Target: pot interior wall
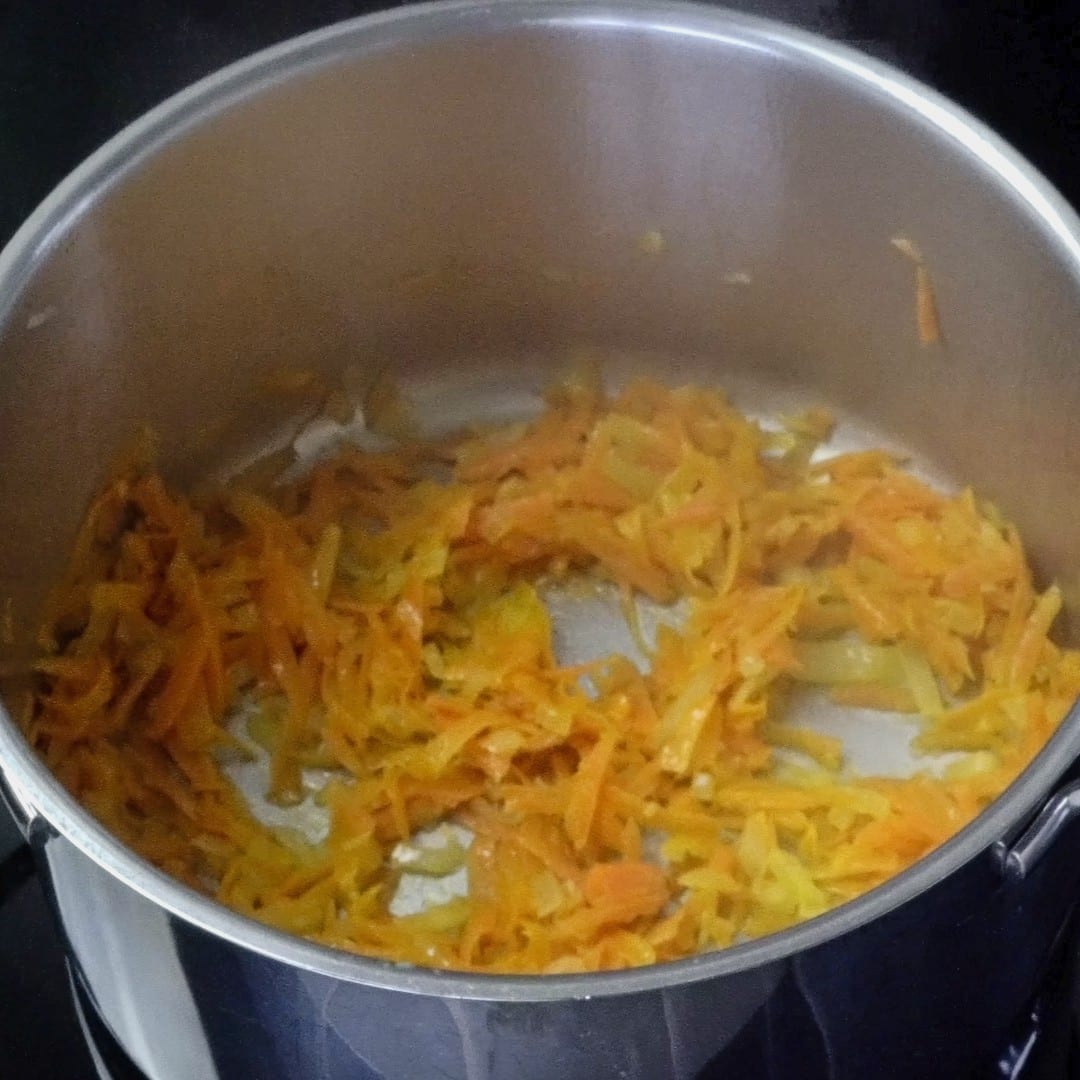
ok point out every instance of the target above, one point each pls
(477, 205)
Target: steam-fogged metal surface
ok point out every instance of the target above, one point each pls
(73, 74)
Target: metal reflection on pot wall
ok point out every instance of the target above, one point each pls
(236, 1013)
(398, 186)
(887, 999)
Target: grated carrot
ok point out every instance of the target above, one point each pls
(386, 639)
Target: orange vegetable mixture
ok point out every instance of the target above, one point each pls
(383, 620)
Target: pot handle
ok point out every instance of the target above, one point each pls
(1018, 859)
(19, 806)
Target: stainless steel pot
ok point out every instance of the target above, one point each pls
(461, 190)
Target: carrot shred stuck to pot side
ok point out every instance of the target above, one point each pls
(379, 644)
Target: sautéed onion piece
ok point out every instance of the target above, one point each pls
(380, 624)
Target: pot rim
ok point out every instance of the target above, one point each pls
(425, 23)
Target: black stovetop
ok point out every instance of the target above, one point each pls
(73, 72)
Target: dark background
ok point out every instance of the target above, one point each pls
(73, 72)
